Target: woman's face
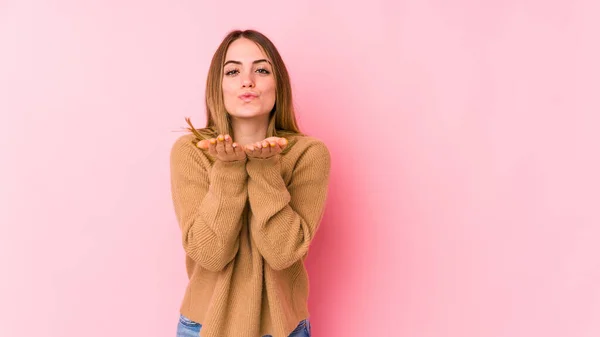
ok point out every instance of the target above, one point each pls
(248, 81)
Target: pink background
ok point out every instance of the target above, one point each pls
(464, 137)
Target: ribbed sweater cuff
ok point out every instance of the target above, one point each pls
(228, 178)
(269, 170)
(266, 188)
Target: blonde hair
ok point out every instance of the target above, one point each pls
(282, 120)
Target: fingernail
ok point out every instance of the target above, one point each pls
(234, 145)
(227, 137)
(212, 141)
(221, 137)
(272, 144)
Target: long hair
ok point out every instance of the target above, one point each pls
(282, 119)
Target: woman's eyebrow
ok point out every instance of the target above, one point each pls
(240, 63)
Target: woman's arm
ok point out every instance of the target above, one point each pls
(286, 218)
(209, 202)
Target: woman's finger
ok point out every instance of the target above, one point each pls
(228, 145)
(249, 149)
(276, 149)
(264, 151)
(282, 142)
(221, 144)
(203, 144)
(240, 152)
(212, 149)
(269, 148)
(279, 140)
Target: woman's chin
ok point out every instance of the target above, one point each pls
(248, 114)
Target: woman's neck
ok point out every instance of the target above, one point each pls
(249, 130)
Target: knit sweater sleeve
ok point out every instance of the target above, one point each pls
(286, 218)
(209, 201)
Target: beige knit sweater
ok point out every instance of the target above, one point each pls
(246, 229)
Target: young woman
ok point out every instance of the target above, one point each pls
(249, 192)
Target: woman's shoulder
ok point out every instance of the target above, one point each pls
(185, 152)
(184, 142)
(308, 147)
(304, 142)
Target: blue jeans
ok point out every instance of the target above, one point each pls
(189, 328)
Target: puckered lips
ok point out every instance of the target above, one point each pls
(248, 96)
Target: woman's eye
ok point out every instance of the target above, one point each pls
(231, 72)
(263, 71)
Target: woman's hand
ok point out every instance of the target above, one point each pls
(223, 148)
(266, 148)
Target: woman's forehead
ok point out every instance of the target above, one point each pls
(244, 50)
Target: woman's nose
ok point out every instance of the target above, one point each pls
(247, 81)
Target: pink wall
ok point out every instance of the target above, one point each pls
(464, 199)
